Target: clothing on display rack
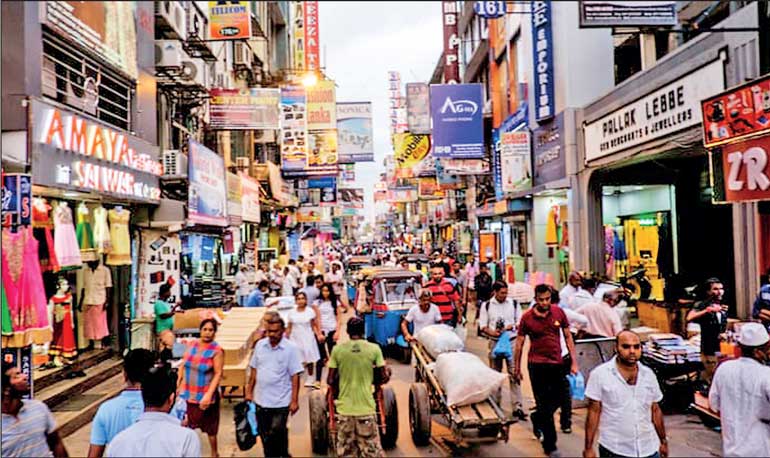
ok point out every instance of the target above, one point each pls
(96, 280)
(24, 290)
(120, 254)
(41, 229)
(65, 239)
(63, 344)
(85, 234)
(609, 251)
(101, 231)
(6, 319)
(551, 225)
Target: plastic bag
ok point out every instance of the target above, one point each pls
(502, 348)
(245, 425)
(438, 339)
(577, 386)
(465, 378)
(461, 332)
(180, 409)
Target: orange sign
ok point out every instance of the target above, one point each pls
(229, 20)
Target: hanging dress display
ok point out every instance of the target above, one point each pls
(609, 251)
(24, 290)
(65, 240)
(7, 326)
(101, 231)
(41, 228)
(85, 235)
(63, 343)
(120, 254)
(551, 223)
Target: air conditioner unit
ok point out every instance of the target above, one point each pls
(174, 163)
(242, 162)
(242, 54)
(194, 73)
(173, 19)
(196, 21)
(168, 53)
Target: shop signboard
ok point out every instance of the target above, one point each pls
(351, 197)
(298, 37)
(401, 195)
(354, 132)
(465, 166)
(158, 263)
(321, 106)
(409, 150)
(280, 190)
(617, 13)
(322, 153)
(515, 159)
(234, 197)
(497, 171)
(741, 171)
(550, 163)
(348, 173)
(457, 116)
(312, 46)
(244, 109)
(418, 108)
(451, 42)
(327, 187)
(429, 189)
(426, 167)
(446, 180)
(489, 9)
(17, 199)
(74, 153)
(293, 128)
(250, 199)
(229, 20)
(106, 28)
(21, 358)
(545, 103)
(738, 113)
(671, 108)
(313, 215)
(207, 202)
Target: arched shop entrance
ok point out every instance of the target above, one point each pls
(658, 214)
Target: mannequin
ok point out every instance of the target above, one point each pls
(97, 283)
(63, 349)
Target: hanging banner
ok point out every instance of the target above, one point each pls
(418, 108)
(314, 215)
(322, 152)
(545, 103)
(244, 109)
(515, 161)
(400, 195)
(409, 150)
(738, 113)
(321, 106)
(465, 166)
(458, 125)
(446, 180)
(429, 189)
(229, 21)
(293, 129)
(354, 132)
(250, 199)
(234, 197)
(298, 37)
(351, 197)
(613, 13)
(312, 47)
(740, 171)
(327, 190)
(451, 42)
(207, 202)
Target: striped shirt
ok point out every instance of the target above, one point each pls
(444, 295)
(198, 370)
(25, 434)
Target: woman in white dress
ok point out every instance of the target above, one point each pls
(330, 323)
(304, 330)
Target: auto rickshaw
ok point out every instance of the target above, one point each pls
(353, 268)
(384, 296)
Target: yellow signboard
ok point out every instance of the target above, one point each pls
(410, 150)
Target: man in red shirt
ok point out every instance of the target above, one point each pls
(544, 325)
(444, 296)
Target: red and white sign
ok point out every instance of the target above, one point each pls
(250, 199)
(737, 113)
(451, 42)
(746, 168)
(312, 48)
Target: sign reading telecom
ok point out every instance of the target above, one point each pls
(229, 20)
(354, 132)
(669, 109)
(458, 126)
(74, 153)
(608, 13)
(207, 203)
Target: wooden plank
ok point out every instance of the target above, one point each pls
(467, 413)
(486, 411)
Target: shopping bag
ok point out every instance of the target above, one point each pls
(577, 386)
(503, 346)
(245, 425)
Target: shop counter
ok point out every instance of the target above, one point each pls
(665, 316)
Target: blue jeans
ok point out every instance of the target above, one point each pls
(607, 453)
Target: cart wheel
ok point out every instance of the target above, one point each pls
(319, 422)
(389, 439)
(419, 414)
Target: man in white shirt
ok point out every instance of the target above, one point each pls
(497, 315)
(603, 321)
(623, 397)
(740, 392)
(422, 315)
(294, 276)
(574, 281)
(583, 296)
(242, 285)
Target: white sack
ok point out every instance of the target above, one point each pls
(438, 339)
(465, 379)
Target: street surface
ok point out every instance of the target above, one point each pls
(687, 436)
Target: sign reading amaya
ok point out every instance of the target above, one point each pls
(671, 108)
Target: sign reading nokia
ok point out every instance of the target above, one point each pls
(664, 111)
(71, 152)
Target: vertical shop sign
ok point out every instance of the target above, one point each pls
(250, 199)
(234, 199)
(497, 172)
(322, 158)
(321, 106)
(451, 42)
(158, 263)
(312, 54)
(354, 132)
(458, 125)
(17, 199)
(545, 104)
(516, 167)
(418, 108)
(227, 20)
(293, 128)
(207, 202)
(298, 40)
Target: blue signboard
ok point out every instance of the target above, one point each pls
(458, 126)
(489, 9)
(323, 182)
(17, 199)
(545, 104)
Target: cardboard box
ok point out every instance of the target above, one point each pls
(235, 374)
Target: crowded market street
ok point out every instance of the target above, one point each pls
(379, 228)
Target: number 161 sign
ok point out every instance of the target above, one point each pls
(489, 10)
(741, 171)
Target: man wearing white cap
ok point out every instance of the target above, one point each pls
(741, 393)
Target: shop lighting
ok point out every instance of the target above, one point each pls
(310, 79)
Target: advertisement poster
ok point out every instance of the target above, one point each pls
(321, 106)
(249, 109)
(458, 125)
(516, 166)
(741, 170)
(354, 132)
(314, 215)
(418, 108)
(234, 197)
(293, 128)
(322, 152)
(207, 202)
(545, 103)
(737, 113)
(400, 195)
(17, 199)
(348, 172)
(614, 13)
(351, 197)
(429, 189)
(229, 20)
(465, 166)
(327, 190)
(158, 262)
(250, 199)
(21, 358)
(312, 47)
(446, 180)
(409, 150)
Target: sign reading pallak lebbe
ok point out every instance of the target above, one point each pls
(664, 111)
(71, 152)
